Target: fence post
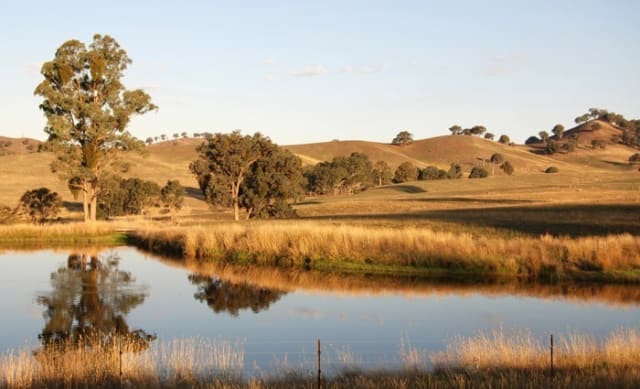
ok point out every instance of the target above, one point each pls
(319, 369)
(551, 348)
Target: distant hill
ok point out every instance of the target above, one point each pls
(13, 146)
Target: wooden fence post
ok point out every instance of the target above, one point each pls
(319, 367)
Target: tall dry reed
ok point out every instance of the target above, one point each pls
(409, 248)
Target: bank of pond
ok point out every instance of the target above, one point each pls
(105, 316)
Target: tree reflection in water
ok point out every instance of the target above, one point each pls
(226, 296)
(88, 303)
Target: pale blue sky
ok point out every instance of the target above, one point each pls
(307, 71)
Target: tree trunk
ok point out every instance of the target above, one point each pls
(85, 203)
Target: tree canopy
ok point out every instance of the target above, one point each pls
(403, 138)
(88, 109)
(249, 171)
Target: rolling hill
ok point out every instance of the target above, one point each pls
(22, 168)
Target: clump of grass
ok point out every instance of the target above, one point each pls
(613, 258)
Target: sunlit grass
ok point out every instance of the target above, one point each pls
(315, 244)
(495, 358)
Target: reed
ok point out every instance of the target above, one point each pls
(413, 250)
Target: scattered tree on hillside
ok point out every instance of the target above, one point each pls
(405, 172)
(478, 172)
(428, 173)
(489, 136)
(558, 130)
(455, 171)
(39, 205)
(507, 168)
(455, 130)
(552, 147)
(155, 138)
(341, 175)
(149, 140)
(184, 134)
(544, 136)
(477, 130)
(403, 138)
(382, 173)
(496, 159)
(87, 110)
(504, 139)
(532, 140)
(176, 135)
(163, 137)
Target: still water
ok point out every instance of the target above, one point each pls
(277, 315)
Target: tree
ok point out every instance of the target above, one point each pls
(223, 164)
(130, 196)
(403, 138)
(429, 173)
(552, 147)
(455, 171)
(478, 172)
(382, 172)
(172, 194)
(176, 135)
(544, 136)
(39, 204)
(163, 137)
(478, 130)
(272, 183)
(532, 140)
(507, 168)
(558, 130)
(149, 140)
(504, 139)
(405, 172)
(489, 136)
(496, 159)
(455, 129)
(184, 134)
(88, 110)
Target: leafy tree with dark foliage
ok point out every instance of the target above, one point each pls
(478, 172)
(172, 194)
(39, 204)
(429, 173)
(403, 138)
(382, 173)
(341, 175)
(405, 172)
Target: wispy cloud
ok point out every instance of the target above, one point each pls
(364, 69)
(309, 71)
(507, 63)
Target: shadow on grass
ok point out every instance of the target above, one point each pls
(407, 188)
(469, 200)
(569, 220)
(72, 206)
(192, 192)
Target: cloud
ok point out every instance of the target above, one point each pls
(507, 63)
(309, 71)
(269, 61)
(346, 69)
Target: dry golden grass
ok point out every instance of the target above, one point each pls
(491, 359)
(398, 249)
(184, 362)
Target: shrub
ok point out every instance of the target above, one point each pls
(172, 194)
(532, 140)
(478, 172)
(504, 139)
(552, 169)
(39, 204)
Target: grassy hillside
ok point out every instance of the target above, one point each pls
(586, 170)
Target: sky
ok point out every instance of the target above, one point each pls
(310, 71)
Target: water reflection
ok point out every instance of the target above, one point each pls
(226, 296)
(89, 301)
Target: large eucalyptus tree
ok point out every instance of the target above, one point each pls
(88, 109)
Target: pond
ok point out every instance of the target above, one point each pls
(275, 315)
